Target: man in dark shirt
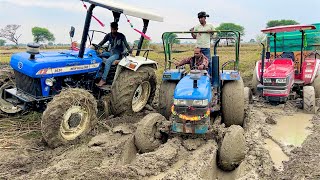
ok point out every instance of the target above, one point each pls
(199, 60)
(117, 42)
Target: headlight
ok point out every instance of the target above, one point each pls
(50, 81)
(266, 80)
(184, 102)
(180, 102)
(281, 80)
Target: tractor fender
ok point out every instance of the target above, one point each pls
(316, 72)
(134, 63)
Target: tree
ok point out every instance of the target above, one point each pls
(229, 27)
(260, 38)
(2, 42)
(252, 41)
(171, 38)
(42, 34)
(145, 43)
(283, 22)
(9, 33)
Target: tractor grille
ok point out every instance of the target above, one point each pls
(29, 85)
(274, 83)
(190, 111)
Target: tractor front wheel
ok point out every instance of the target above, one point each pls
(254, 82)
(69, 117)
(131, 91)
(232, 150)
(147, 136)
(309, 99)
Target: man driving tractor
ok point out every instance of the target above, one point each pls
(117, 42)
(199, 60)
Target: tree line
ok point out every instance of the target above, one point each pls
(10, 33)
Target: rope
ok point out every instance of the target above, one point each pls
(85, 6)
(142, 34)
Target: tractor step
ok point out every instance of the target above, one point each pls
(298, 81)
(106, 87)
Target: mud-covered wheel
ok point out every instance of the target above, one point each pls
(254, 82)
(147, 136)
(316, 85)
(309, 100)
(131, 91)
(232, 105)
(232, 149)
(247, 96)
(70, 116)
(166, 98)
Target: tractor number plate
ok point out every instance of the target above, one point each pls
(167, 76)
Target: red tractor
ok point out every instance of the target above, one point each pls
(288, 75)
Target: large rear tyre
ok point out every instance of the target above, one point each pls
(316, 85)
(232, 150)
(131, 91)
(232, 105)
(147, 136)
(254, 82)
(69, 116)
(309, 99)
(166, 98)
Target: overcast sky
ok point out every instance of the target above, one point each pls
(59, 15)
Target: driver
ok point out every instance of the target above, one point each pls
(117, 42)
(198, 59)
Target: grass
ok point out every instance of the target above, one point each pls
(249, 54)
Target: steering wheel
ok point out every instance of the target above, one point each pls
(99, 48)
(315, 53)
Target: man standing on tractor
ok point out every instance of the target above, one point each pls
(199, 60)
(203, 39)
(117, 42)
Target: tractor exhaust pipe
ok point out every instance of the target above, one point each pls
(262, 62)
(215, 66)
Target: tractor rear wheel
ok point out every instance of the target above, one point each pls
(166, 98)
(232, 149)
(131, 91)
(254, 82)
(232, 105)
(247, 96)
(316, 85)
(69, 117)
(147, 136)
(309, 100)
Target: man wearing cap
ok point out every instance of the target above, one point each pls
(203, 39)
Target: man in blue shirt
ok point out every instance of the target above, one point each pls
(117, 42)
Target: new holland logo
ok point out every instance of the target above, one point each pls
(20, 65)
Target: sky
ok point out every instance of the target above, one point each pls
(179, 15)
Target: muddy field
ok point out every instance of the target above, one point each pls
(282, 143)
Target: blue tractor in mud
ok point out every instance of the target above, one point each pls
(190, 103)
(63, 83)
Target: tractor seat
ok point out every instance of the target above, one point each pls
(289, 55)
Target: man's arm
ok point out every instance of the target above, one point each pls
(194, 36)
(104, 40)
(184, 61)
(205, 63)
(126, 43)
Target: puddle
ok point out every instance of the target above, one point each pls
(292, 130)
(276, 153)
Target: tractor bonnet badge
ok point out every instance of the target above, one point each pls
(20, 65)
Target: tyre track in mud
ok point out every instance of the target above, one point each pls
(113, 155)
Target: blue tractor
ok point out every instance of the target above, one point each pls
(189, 103)
(63, 83)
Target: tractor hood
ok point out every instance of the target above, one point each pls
(48, 64)
(185, 90)
(279, 69)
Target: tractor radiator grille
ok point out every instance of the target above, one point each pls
(29, 85)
